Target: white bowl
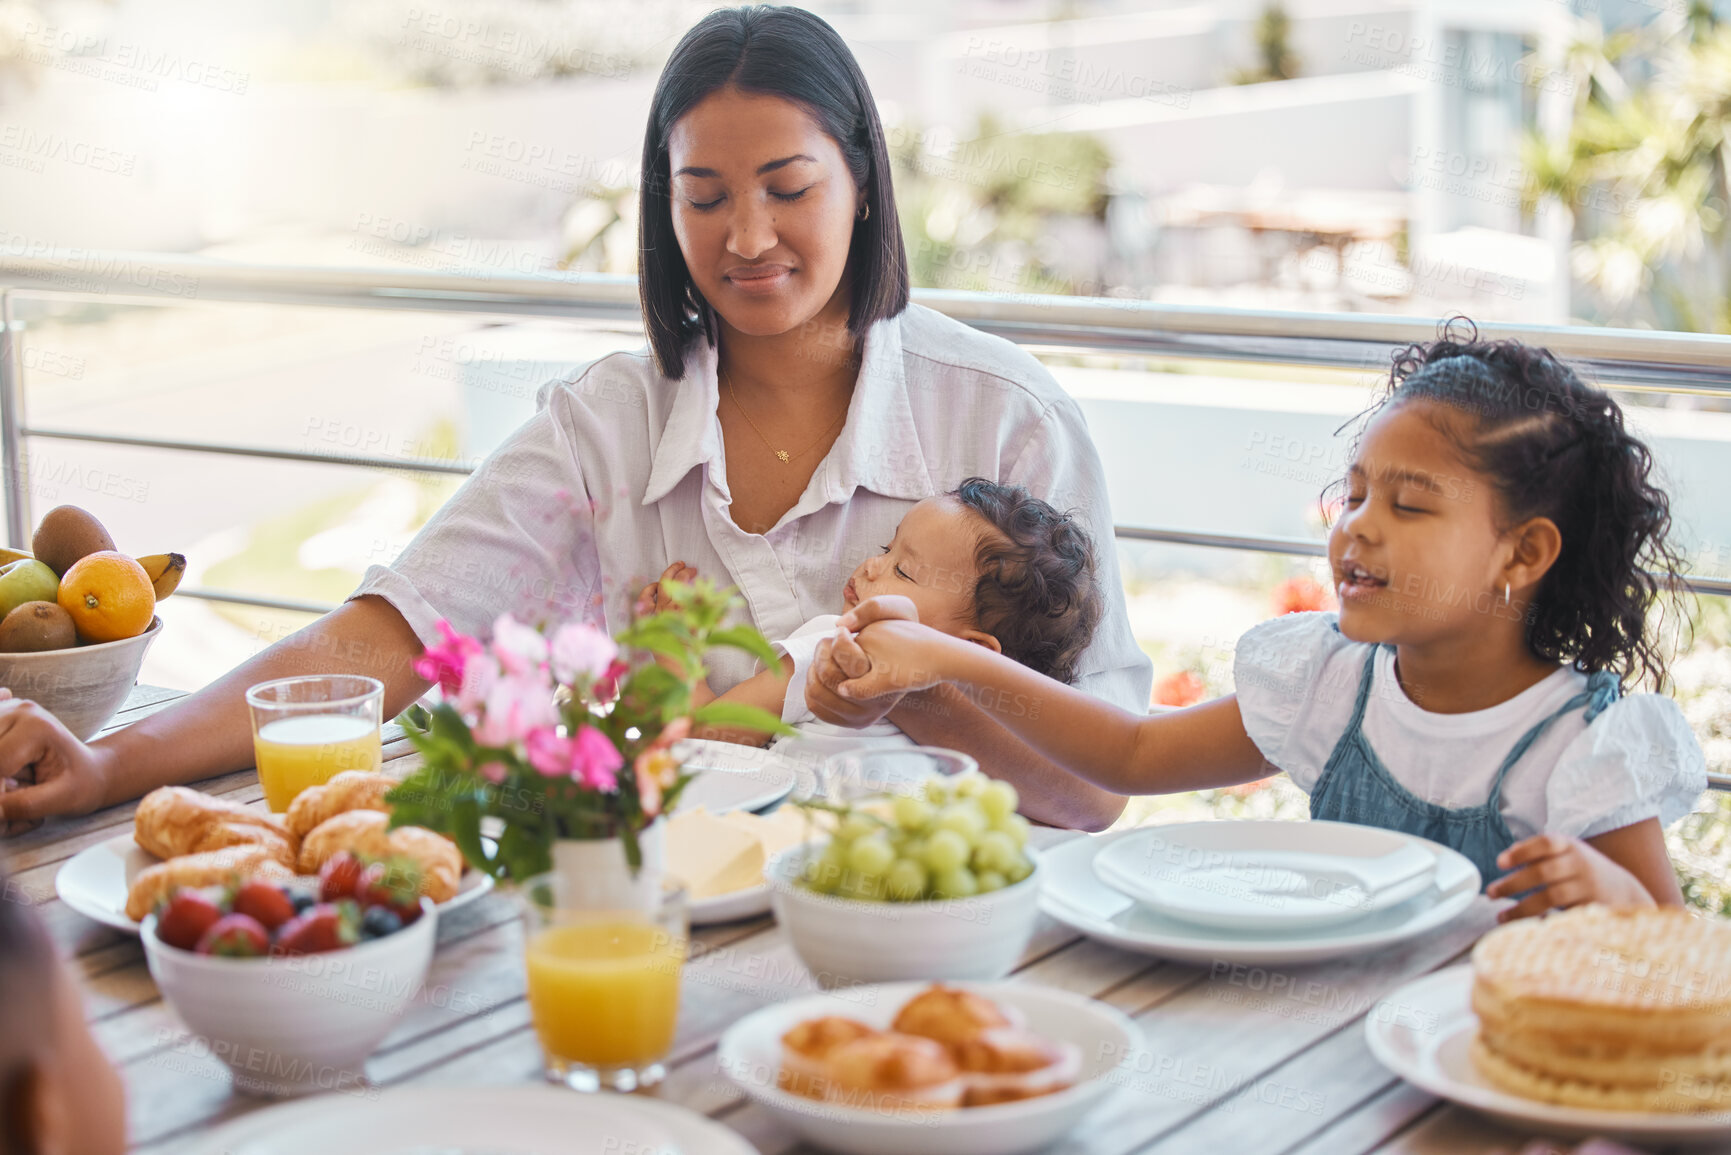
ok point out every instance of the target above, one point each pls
(299, 1024)
(750, 1055)
(850, 940)
(81, 685)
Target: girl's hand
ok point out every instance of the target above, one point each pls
(1562, 872)
(902, 655)
(652, 600)
(884, 608)
(44, 770)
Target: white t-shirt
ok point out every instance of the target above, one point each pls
(621, 471)
(1298, 679)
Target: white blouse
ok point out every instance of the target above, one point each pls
(621, 471)
(1297, 682)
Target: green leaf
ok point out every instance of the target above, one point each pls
(740, 715)
(525, 850)
(746, 638)
(466, 831)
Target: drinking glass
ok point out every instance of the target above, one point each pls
(604, 965)
(870, 772)
(307, 729)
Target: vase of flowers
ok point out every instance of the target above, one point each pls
(566, 738)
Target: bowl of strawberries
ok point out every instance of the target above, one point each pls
(292, 983)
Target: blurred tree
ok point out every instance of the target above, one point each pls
(1275, 58)
(1644, 167)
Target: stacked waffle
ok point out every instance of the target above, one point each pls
(1620, 1010)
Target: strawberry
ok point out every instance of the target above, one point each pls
(268, 903)
(394, 885)
(235, 936)
(338, 876)
(185, 918)
(327, 926)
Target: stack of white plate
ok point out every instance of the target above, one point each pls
(475, 1121)
(1256, 892)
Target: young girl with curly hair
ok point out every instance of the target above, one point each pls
(1495, 560)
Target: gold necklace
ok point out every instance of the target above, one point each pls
(781, 455)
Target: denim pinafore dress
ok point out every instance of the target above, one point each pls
(1356, 787)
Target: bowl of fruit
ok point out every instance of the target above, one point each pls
(292, 982)
(76, 617)
(936, 882)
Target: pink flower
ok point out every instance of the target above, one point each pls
(514, 706)
(493, 772)
(445, 663)
(580, 650)
(548, 752)
(518, 647)
(479, 678)
(607, 685)
(595, 761)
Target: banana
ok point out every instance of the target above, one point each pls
(164, 570)
(8, 556)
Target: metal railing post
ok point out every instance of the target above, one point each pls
(12, 425)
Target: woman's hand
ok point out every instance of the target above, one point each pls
(1562, 872)
(652, 600)
(44, 770)
(904, 656)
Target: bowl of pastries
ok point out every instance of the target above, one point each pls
(930, 1069)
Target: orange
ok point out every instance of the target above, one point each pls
(109, 597)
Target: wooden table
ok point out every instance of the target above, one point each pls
(1241, 1071)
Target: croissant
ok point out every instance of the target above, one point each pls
(350, 790)
(363, 832)
(206, 869)
(174, 820)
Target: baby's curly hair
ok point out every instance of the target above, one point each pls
(1554, 446)
(1036, 592)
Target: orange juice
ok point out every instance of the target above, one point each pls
(605, 993)
(297, 752)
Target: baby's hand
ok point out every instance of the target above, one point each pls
(652, 600)
(1562, 872)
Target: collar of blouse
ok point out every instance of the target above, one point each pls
(878, 449)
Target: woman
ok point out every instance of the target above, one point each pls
(790, 408)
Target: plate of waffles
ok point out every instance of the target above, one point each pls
(1592, 1021)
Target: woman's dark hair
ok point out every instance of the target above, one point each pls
(1556, 447)
(1036, 592)
(785, 52)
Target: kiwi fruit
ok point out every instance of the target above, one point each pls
(37, 626)
(65, 534)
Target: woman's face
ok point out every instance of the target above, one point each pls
(763, 206)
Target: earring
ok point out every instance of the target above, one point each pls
(865, 213)
(1506, 599)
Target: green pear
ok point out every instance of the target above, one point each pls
(26, 581)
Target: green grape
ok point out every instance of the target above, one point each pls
(856, 826)
(912, 813)
(855, 886)
(822, 876)
(999, 801)
(957, 883)
(946, 851)
(994, 851)
(1020, 870)
(871, 855)
(991, 880)
(964, 818)
(1015, 826)
(905, 881)
(969, 785)
(937, 791)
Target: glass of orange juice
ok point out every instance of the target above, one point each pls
(604, 965)
(306, 729)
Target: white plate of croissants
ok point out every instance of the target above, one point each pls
(182, 837)
(931, 1068)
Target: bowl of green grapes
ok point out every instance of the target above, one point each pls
(930, 880)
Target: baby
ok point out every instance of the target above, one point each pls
(988, 563)
(58, 1092)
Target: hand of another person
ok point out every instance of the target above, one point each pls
(1562, 872)
(899, 657)
(652, 600)
(44, 770)
(838, 659)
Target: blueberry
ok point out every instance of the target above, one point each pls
(378, 922)
(302, 900)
